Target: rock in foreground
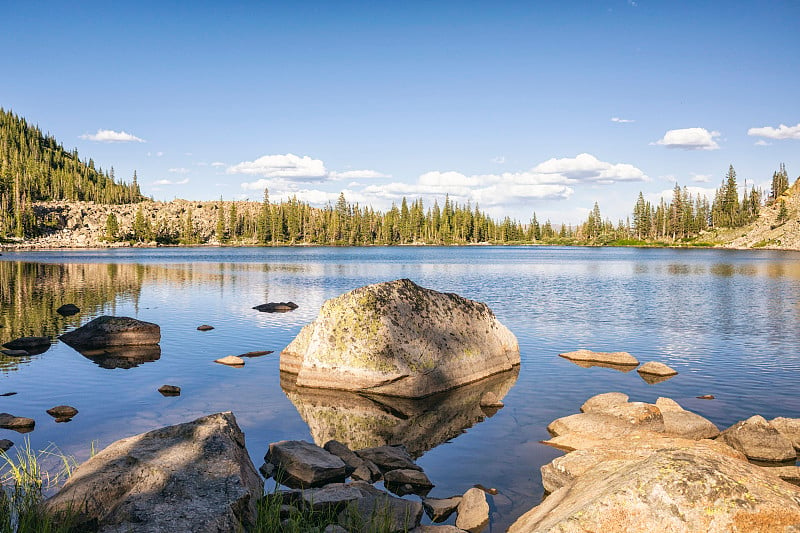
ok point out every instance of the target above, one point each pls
(400, 339)
(194, 477)
(107, 331)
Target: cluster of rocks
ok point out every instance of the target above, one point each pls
(652, 372)
(319, 477)
(634, 466)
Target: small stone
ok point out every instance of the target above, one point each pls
(230, 360)
(439, 509)
(27, 343)
(68, 310)
(5, 445)
(14, 353)
(706, 397)
(205, 327)
(257, 353)
(8, 394)
(169, 390)
(436, 529)
(473, 511)
(9, 421)
(657, 369)
(490, 399)
(62, 412)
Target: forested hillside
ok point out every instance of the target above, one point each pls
(34, 167)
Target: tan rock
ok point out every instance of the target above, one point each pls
(611, 358)
(473, 510)
(789, 428)
(400, 339)
(230, 360)
(600, 402)
(657, 369)
(759, 441)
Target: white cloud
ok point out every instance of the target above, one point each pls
(184, 181)
(701, 178)
(499, 159)
(111, 136)
(586, 167)
(357, 175)
(690, 139)
(762, 142)
(180, 170)
(781, 132)
(622, 120)
(217, 164)
(288, 166)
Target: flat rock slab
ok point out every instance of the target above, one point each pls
(194, 477)
(62, 411)
(610, 358)
(68, 310)
(276, 307)
(305, 462)
(440, 509)
(230, 360)
(400, 339)
(107, 331)
(657, 369)
(28, 343)
(759, 441)
(473, 510)
(17, 423)
(388, 458)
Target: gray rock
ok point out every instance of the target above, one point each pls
(194, 477)
(17, 423)
(308, 464)
(368, 471)
(28, 343)
(400, 339)
(5, 445)
(332, 498)
(68, 310)
(348, 456)
(107, 331)
(379, 511)
(436, 529)
(759, 441)
(388, 458)
(169, 390)
(694, 486)
(267, 470)
(405, 481)
(334, 528)
(440, 509)
(62, 411)
(601, 402)
(789, 428)
(473, 511)
(609, 358)
(657, 369)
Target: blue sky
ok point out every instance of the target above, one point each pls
(519, 106)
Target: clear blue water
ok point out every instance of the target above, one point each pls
(728, 321)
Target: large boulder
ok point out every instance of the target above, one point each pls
(195, 476)
(759, 441)
(679, 485)
(400, 339)
(107, 331)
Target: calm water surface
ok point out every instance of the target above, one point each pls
(728, 321)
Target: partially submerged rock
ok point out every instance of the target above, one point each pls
(194, 477)
(400, 339)
(68, 310)
(654, 372)
(230, 360)
(759, 441)
(169, 390)
(20, 424)
(28, 343)
(416, 479)
(473, 510)
(276, 307)
(305, 464)
(5, 445)
(205, 327)
(107, 331)
(440, 509)
(62, 412)
(610, 358)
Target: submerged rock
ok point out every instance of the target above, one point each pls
(194, 477)
(395, 480)
(308, 464)
(759, 441)
(107, 331)
(29, 344)
(276, 307)
(68, 310)
(623, 359)
(400, 339)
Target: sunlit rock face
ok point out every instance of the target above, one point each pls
(364, 421)
(397, 338)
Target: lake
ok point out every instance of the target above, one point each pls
(728, 321)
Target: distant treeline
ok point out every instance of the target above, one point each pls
(35, 167)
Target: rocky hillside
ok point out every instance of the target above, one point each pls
(771, 230)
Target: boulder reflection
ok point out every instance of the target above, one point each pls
(362, 421)
(123, 356)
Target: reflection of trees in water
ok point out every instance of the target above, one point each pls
(362, 421)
